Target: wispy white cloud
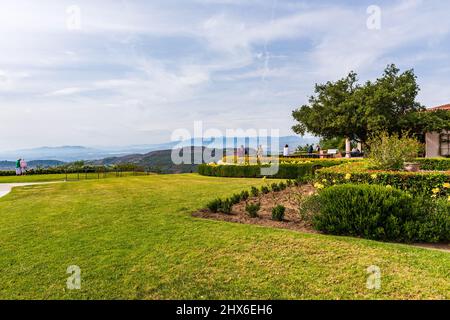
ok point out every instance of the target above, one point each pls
(155, 66)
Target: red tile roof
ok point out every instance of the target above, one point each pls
(444, 107)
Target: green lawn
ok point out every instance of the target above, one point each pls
(62, 177)
(134, 238)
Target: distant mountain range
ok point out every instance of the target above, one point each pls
(74, 153)
(158, 161)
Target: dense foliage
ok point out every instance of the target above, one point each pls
(379, 213)
(278, 213)
(346, 108)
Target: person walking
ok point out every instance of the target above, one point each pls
(23, 166)
(18, 170)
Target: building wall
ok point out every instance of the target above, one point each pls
(432, 144)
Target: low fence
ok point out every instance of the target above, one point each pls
(80, 174)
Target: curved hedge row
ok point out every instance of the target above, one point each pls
(415, 182)
(285, 171)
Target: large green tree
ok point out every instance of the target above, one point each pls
(346, 108)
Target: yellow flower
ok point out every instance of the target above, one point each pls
(334, 181)
(318, 185)
(448, 199)
(389, 186)
(447, 185)
(324, 180)
(374, 176)
(436, 190)
(348, 176)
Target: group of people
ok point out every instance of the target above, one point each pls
(242, 152)
(311, 148)
(21, 167)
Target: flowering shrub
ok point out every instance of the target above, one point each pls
(247, 160)
(390, 152)
(434, 184)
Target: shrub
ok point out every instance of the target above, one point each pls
(214, 205)
(244, 195)
(278, 213)
(265, 190)
(378, 213)
(253, 209)
(390, 152)
(226, 206)
(275, 187)
(235, 198)
(254, 192)
(282, 186)
(433, 225)
(289, 183)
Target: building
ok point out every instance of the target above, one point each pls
(438, 143)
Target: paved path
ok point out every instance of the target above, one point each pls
(6, 188)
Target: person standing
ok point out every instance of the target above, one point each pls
(241, 151)
(286, 151)
(18, 170)
(23, 166)
(259, 152)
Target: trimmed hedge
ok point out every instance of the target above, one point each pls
(378, 213)
(432, 183)
(286, 171)
(438, 164)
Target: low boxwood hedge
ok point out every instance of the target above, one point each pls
(439, 164)
(285, 171)
(378, 213)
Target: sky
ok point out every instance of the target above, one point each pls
(109, 73)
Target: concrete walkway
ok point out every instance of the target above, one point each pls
(6, 188)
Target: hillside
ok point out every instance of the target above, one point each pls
(159, 161)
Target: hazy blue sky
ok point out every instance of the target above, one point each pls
(130, 72)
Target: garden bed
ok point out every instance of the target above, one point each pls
(287, 198)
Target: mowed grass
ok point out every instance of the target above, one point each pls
(69, 176)
(134, 238)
